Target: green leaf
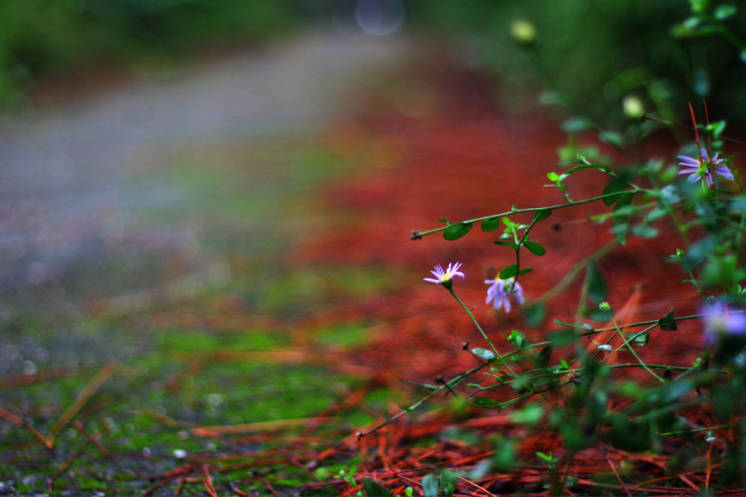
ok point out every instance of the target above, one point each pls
(509, 271)
(517, 338)
(430, 485)
(617, 183)
(534, 247)
(480, 470)
(716, 128)
(545, 457)
(542, 360)
(505, 458)
(701, 249)
(374, 489)
(525, 270)
(577, 124)
(628, 435)
(738, 205)
(485, 354)
(700, 81)
(534, 314)
(573, 436)
(667, 322)
(485, 402)
(542, 215)
(723, 403)
(491, 224)
(619, 224)
(669, 195)
(655, 214)
(456, 230)
(597, 167)
(641, 340)
(725, 11)
(561, 337)
(699, 6)
(612, 138)
(551, 98)
(674, 390)
(597, 288)
(645, 231)
(447, 482)
(529, 415)
(512, 245)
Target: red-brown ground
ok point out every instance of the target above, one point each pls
(463, 158)
(466, 159)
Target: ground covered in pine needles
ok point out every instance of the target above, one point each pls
(343, 334)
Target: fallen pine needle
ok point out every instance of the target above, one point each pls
(83, 397)
(211, 431)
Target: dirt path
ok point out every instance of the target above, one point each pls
(82, 177)
(147, 227)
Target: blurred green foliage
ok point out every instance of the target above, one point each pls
(595, 53)
(42, 37)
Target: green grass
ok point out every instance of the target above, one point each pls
(194, 359)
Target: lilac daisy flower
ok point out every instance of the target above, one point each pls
(720, 319)
(444, 277)
(500, 290)
(697, 168)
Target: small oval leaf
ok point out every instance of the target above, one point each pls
(485, 354)
(509, 271)
(456, 230)
(667, 322)
(612, 138)
(725, 11)
(430, 485)
(505, 243)
(375, 489)
(448, 482)
(639, 339)
(491, 224)
(542, 215)
(577, 124)
(535, 248)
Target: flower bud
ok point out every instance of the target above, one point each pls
(633, 107)
(523, 32)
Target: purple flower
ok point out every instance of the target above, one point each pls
(697, 168)
(444, 277)
(719, 320)
(500, 291)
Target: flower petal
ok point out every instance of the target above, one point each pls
(686, 160)
(723, 171)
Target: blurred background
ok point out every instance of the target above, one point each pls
(161, 160)
(661, 42)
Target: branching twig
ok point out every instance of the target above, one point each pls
(416, 234)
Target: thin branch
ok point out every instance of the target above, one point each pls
(484, 335)
(416, 234)
(690, 129)
(449, 384)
